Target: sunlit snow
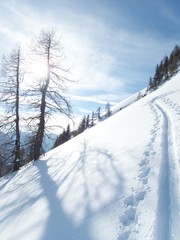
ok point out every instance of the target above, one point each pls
(119, 180)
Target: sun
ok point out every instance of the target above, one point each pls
(39, 69)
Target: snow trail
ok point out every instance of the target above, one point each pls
(168, 217)
(162, 231)
(130, 219)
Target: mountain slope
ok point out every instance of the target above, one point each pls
(118, 180)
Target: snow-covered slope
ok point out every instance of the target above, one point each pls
(119, 180)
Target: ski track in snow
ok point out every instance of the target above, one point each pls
(128, 221)
(167, 224)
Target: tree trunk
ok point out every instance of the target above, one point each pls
(41, 127)
(40, 132)
(17, 141)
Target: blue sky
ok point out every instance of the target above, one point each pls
(112, 46)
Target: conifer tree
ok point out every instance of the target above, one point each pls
(157, 77)
(108, 110)
(87, 122)
(98, 113)
(92, 119)
(166, 68)
(139, 96)
(82, 125)
(68, 133)
(151, 84)
(63, 137)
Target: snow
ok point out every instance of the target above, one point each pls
(119, 180)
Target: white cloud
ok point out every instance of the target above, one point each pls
(103, 59)
(100, 98)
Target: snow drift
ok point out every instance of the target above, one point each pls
(119, 180)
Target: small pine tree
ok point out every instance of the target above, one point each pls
(82, 125)
(68, 133)
(151, 84)
(87, 122)
(176, 53)
(166, 67)
(92, 119)
(98, 113)
(139, 96)
(157, 77)
(108, 110)
(63, 137)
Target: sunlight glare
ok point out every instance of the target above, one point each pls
(39, 70)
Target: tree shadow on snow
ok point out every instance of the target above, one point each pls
(93, 176)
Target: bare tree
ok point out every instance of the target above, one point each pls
(50, 88)
(12, 76)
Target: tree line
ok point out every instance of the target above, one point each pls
(30, 108)
(86, 123)
(166, 69)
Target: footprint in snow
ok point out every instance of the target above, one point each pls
(140, 196)
(133, 200)
(129, 201)
(143, 162)
(124, 236)
(146, 153)
(144, 181)
(129, 216)
(145, 172)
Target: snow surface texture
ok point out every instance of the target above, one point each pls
(119, 180)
